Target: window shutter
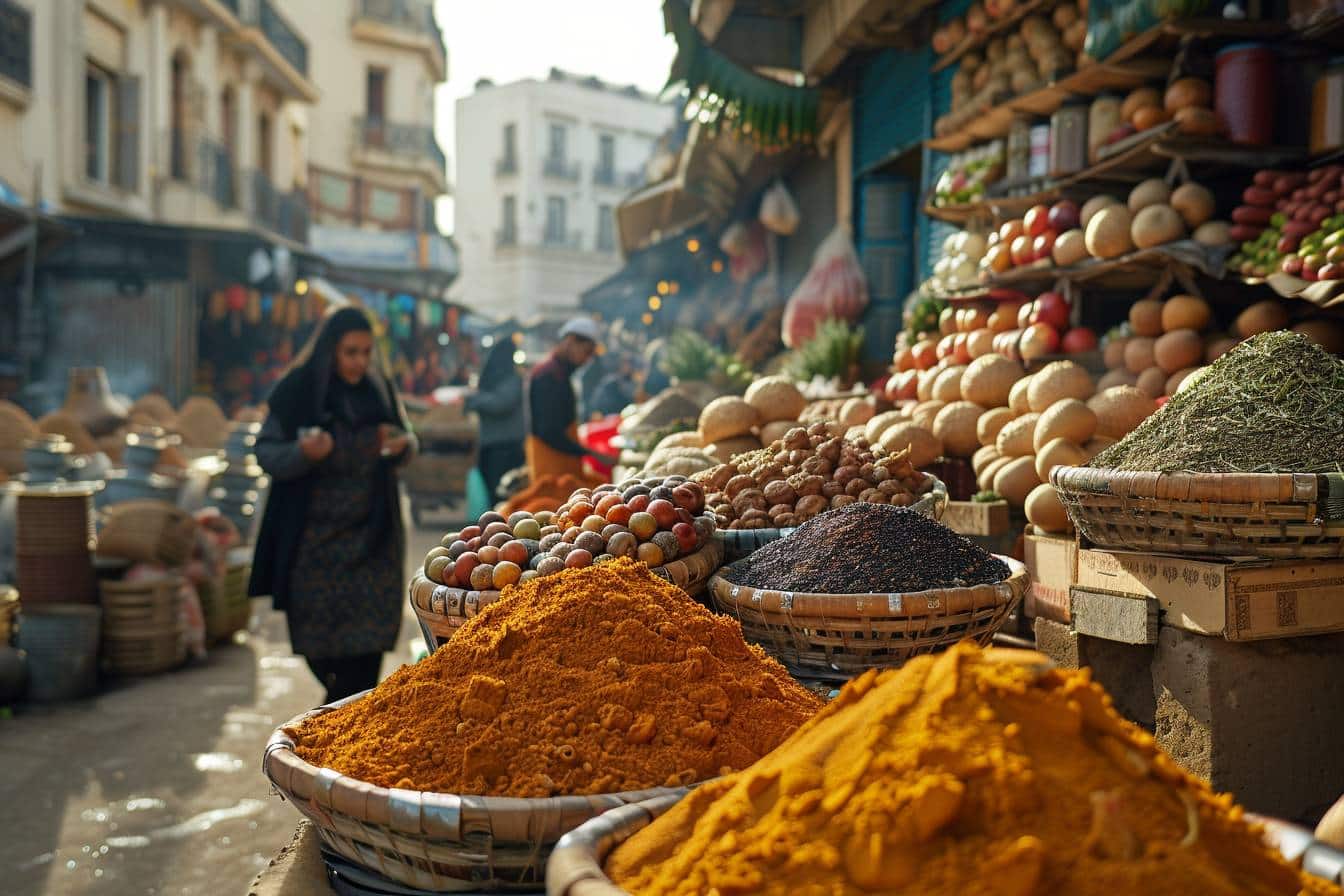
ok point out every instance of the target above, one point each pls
(128, 133)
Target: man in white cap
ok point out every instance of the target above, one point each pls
(552, 445)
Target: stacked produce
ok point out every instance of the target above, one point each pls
(597, 680)
(1291, 221)
(1188, 101)
(956, 271)
(1271, 404)
(969, 772)
(806, 473)
(654, 520)
(968, 174)
(1163, 344)
(869, 549)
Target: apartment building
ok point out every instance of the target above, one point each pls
(541, 166)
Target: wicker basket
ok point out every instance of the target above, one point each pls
(131, 606)
(150, 651)
(442, 609)
(433, 841)
(147, 531)
(9, 612)
(238, 606)
(1278, 515)
(833, 637)
(738, 543)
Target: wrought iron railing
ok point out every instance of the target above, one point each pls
(560, 169)
(283, 37)
(604, 175)
(399, 138)
(205, 163)
(506, 166)
(570, 239)
(506, 237)
(16, 43)
(284, 213)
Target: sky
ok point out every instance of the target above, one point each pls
(620, 41)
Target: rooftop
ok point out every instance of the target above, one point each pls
(591, 82)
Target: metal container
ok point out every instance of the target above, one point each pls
(1019, 150)
(1068, 139)
(1327, 108)
(61, 641)
(1039, 166)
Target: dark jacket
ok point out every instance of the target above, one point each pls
(498, 399)
(551, 406)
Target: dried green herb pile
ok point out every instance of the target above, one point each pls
(866, 548)
(1273, 404)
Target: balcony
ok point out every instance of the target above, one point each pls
(506, 238)
(205, 164)
(506, 166)
(571, 240)
(282, 213)
(283, 37)
(278, 44)
(409, 24)
(608, 176)
(16, 47)
(559, 169)
(390, 144)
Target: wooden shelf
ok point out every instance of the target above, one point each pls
(1137, 270)
(999, 26)
(1167, 36)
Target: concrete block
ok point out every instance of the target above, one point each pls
(1129, 620)
(1261, 719)
(1122, 669)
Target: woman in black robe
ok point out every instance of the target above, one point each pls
(332, 546)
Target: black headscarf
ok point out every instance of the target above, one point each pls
(498, 366)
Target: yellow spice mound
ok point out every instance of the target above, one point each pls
(971, 773)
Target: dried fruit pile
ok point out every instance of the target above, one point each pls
(806, 473)
(654, 521)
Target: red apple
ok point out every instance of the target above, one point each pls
(1038, 340)
(1078, 340)
(1022, 250)
(1037, 220)
(1051, 308)
(686, 537)
(1044, 244)
(1292, 265)
(1064, 215)
(665, 512)
(1011, 230)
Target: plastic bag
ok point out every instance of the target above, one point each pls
(833, 288)
(779, 212)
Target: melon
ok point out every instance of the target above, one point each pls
(1070, 247)
(1153, 191)
(1214, 233)
(1156, 225)
(1187, 93)
(680, 440)
(1056, 381)
(1044, 510)
(947, 387)
(727, 449)
(1098, 444)
(954, 426)
(1018, 437)
(924, 445)
(1152, 382)
(1192, 378)
(775, 398)
(979, 343)
(857, 411)
(924, 412)
(1149, 117)
(924, 384)
(1068, 419)
(873, 429)
(1017, 397)
(1113, 353)
(1194, 203)
(1016, 480)
(1107, 234)
(985, 480)
(1178, 350)
(1262, 317)
(1197, 122)
(982, 458)
(1185, 313)
(1120, 409)
(1139, 354)
(1059, 453)
(1118, 377)
(726, 418)
(1174, 381)
(1094, 205)
(1327, 332)
(988, 381)
(990, 422)
(1217, 346)
(1145, 318)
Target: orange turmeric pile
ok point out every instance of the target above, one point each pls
(594, 680)
(974, 772)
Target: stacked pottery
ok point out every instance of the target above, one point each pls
(238, 490)
(48, 459)
(139, 480)
(89, 400)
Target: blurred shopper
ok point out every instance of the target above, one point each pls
(617, 389)
(498, 402)
(332, 546)
(552, 445)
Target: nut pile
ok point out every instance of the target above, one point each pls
(654, 521)
(809, 471)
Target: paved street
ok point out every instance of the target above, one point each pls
(154, 787)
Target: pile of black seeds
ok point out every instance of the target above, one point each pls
(869, 549)
(1273, 404)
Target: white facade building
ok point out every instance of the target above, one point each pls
(541, 167)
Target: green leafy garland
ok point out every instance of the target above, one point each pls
(762, 111)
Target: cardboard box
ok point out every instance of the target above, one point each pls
(978, 518)
(1240, 599)
(1052, 561)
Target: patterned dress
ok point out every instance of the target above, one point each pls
(347, 579)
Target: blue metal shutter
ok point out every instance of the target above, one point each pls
(886, 232)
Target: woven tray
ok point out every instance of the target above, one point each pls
(1278, 515)
(442, 609)
(738, 543)
(433, 841)
(833, 637)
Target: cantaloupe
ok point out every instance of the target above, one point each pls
(1120, 377)
(947, 387)
(726, 418)
(1153, 191)
(954, 426)
(924, 445)
(1262, 317)
(1017, 397)
(1018, 437)
(1059, 453)
(1152, 382)
(1185, 313)
(982, 458)
(1058, 380)
(924, 412)
(1194, 203)
(1016, 479)
(990, 422)
(1094, 205)
(873, 429)
(1069, 419)
(1174, 381)
(1156, 225)
(1044, 510)
(1120, 409)
(924, 383)
(1145, 318)
(775, 398)
(985, 479)
(988, 381)
(1213, 233)
(979, 343)
(1107, 234)
(1139, 354)
(1178, 349)
(1070, 247)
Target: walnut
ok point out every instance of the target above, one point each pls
(866, 470)
(737, 484)
(811, 505)
(879, 475)
(844, 475)
(747, 500)
(857, 487)
(820, 428)
(796, 438)
(891, 487)
(841, 500)
(812, 485)
(873, 496)
(780, 492)
(904, 499)
(769, 473)
(800, 457)
(720, 476)
(780, 510)
(831, 449)
(787, 521)
(832, 488)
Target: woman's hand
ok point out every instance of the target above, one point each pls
(317, 446)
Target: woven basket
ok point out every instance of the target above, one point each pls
(238, 606)
(149, 652)
(833, 637)
(9, 611)
(54, 520)
(135, 606)
(738, 543)
(433, 841)
(1278, 515)
(442, 609)
(48, 579)
(147, 531)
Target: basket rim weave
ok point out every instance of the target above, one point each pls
(576, 863)
(1189, 486)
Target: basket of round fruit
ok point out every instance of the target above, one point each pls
(661, 522)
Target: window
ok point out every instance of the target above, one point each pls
(228, 119)
(264, 144)
(375, 94)
(606, 228)
(178, 112)
(99, 124)
(556, 146)
(555, 220)
(606, 158)
(508, 221)
(510, 142)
